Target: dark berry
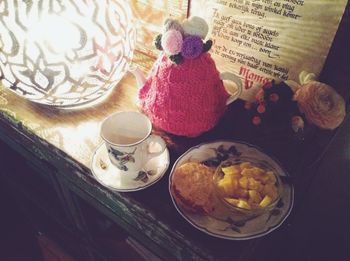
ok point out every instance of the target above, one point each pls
(261, 108)
(267, 85)
(247, 105)
(256, 120)
(260, 95)
(274, 97)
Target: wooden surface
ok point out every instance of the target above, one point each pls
(64, 141)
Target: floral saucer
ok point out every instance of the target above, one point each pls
(115, 179)
(221, 222)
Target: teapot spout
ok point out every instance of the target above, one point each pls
(140, 77)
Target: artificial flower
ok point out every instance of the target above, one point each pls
(321, 104)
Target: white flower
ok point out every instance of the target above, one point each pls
(321, 104)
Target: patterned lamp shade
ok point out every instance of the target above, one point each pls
(64, 53)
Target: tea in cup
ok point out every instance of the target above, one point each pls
(129, 141)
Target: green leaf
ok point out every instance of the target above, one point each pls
(275, 212)
(117, 152)
(236, 229)
(176, 58)
(239, 223)
(207, 46)
(280, 203)
(142, 175)
(221, 149)
(158, 42)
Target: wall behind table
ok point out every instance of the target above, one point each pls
(336, 71)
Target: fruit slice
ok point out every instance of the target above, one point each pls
(254, 196)
(231, 170)
(243, 204)
(265, 202)
(227, 185)
(232, 201)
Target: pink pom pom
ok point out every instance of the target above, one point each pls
(172, 42)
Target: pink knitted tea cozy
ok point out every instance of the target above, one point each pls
(184, 94)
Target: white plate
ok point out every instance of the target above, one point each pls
(115, 179)
(221, 223)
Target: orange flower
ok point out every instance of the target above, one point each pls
(321, 104)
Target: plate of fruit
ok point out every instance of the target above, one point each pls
(231, 190)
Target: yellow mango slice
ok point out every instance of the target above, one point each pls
(245, 165)
(243, 182)
(232, 201)
(253, 184)
(271, 176)
(264, 178)
(254, 196)
(257, 172)
(265, 202)
(243, 204)
(231, 170)
(270, 190)
(247, 172)
(241, 193)
(228, 185)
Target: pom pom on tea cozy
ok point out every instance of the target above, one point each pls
(196, 26)
(192, 47)
(321, 104)
(172, 42)
(172, 24)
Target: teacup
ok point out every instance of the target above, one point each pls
(128, 141)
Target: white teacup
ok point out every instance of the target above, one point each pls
(128, 140)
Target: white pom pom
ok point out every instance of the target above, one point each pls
(196, 26)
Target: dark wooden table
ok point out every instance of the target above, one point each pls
(60, 144)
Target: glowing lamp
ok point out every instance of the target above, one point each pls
(64, 53)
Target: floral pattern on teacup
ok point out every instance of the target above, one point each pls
(144, 175)
(122, 158)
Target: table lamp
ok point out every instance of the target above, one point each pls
(66, 54)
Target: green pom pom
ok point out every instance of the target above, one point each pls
(158, 42)
(176, 58)
(207, 46)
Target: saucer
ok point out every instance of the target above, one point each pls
(113, 178)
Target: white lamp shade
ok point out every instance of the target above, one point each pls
(64, 53)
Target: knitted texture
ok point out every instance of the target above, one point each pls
(186, 99)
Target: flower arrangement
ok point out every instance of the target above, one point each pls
(290, 104)
(184, 41)
(275, 109)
